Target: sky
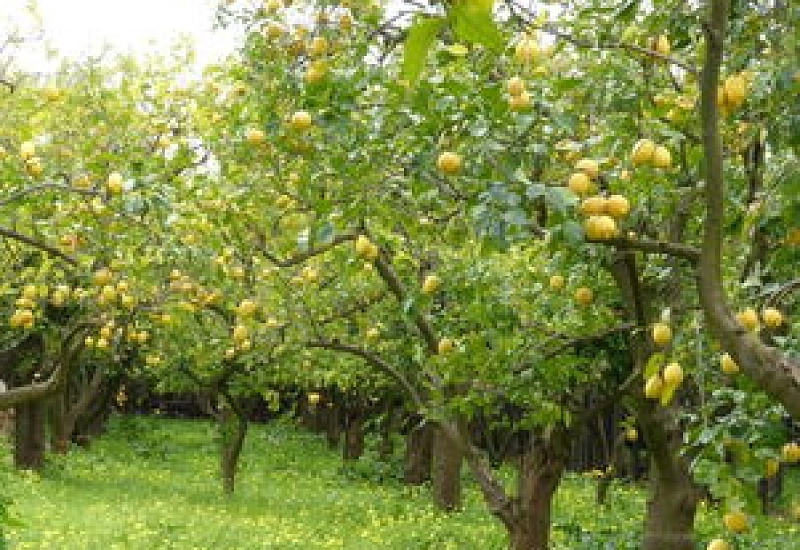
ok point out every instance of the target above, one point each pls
(76, 28)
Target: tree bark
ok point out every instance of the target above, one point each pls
(233, 430)
(71, 347)
(29, 436)
(333, 426)
(446, 471)
(386, 444)
(354, 434)
(774, 371)
(541, 469)
(418, 456)
(673, 499)
(92, 422)
(59, 440)
(88, 395)
(671, 508)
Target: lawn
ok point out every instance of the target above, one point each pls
(151, 484)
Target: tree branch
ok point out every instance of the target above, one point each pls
(678, 250)
(304, 256)
(781, 293)
(389, 275)
(373, 360)
(11, 234)
(775, 372)
(44, 186)
(41, 390)
(554, 31)
(589, 339)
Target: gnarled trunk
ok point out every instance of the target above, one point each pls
(92, 420)
(526, 517)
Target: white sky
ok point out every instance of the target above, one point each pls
(77, 28)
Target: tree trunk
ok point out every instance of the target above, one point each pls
(90, 398)
(333, 426)
(446, 472)
(419, 453)
(774, 371)
(531, 531)
(672, 504)
(6, 421)
(540, 472)
(386, 445)
(92, 421)
(233, 429)
(29, 436)
(311, 416)
(59, 440)
(354, 435)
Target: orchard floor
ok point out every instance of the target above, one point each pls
(151, 485)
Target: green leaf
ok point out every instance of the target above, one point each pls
(420, 37)
(559, 198)
(667, 394)
(473, 21)
(654, 364)
(573, 232)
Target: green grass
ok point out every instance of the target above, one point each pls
(151, 484)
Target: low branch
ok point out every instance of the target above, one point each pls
(373, 360)
(500, 504)
(41, 390)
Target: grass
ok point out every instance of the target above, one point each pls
(151, 484)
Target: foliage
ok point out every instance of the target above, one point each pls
(239, 234)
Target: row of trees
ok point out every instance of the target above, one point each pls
(456, 208)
